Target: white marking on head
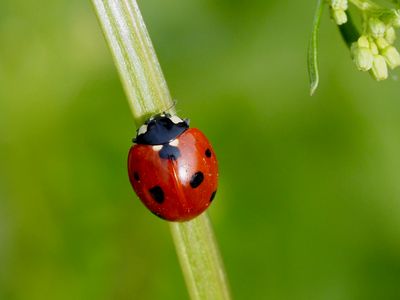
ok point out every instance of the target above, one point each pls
(176, 119)
(142, 129)
(174, 143)
(157, 147)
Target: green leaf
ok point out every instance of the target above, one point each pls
(313, 49)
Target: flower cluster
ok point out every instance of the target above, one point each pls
(374, 50)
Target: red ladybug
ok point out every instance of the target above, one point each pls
(173, 168)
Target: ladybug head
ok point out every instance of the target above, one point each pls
(160, 129)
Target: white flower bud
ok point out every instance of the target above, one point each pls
(391, 56)
(339, 16)
(377, 27)
(390, 35)
(396, 19)
(382, 43)
(362, 57)
(379, 68)
(374, 48)
(339, 4)
(363, 42)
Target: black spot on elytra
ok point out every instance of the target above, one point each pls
(196, 179)
(136, 176)
(169, 152)
(213, 195)
(157, 193)
(208, 153)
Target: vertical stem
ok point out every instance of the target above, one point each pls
(134, 57)
(349, 31)
(200, 261)
(148, 94)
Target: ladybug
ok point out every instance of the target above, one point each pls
(173, 168)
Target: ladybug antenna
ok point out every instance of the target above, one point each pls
(174, 101)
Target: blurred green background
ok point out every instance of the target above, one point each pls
(309, 200)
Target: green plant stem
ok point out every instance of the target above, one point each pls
(349, 31)
(135, 58)
(200, 260)
(364, 4)
(148, 94)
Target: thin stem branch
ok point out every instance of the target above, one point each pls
(349, 31)
(364, 4)
(148, 94)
